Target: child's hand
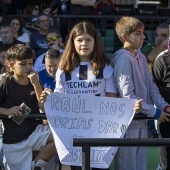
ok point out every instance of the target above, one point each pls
(45, 122)
(14, 111)
(44, 94)
(34, 78)
(168, 110)
(164, 117)
(138, 106)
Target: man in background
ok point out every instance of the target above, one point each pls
(38, 38)
(54, 41)
(151, 52)
(7, 38)
(47, 75)
(160, 43)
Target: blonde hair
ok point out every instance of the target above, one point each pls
(127, 25)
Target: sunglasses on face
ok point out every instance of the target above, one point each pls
(52, 38)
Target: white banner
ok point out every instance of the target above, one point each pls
(79, 116)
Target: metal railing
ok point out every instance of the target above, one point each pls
(110, 42)
(86, 143)
(30, 116)
(59, 17)
(43, 116)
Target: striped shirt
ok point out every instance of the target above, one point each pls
(83, 80)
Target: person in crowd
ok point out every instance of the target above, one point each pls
(84, 61)
(151, 52)
(73, 7)
(2, 70)
(54, 41)
(7, 37)
(47, 75)
(30, 24)
(103, 7)
(18, 33)
(160, 72)
(20, 139)
(2, 59)
(38, 38)
(53, 7)
(32, 9)
(60, 7)
(134, 81)
(160, 43)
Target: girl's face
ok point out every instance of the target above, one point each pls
(15, 25)
(84, 45)
(2, 58)
(23, 68)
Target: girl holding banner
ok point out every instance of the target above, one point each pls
(84, 68)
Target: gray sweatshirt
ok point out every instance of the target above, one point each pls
(134, 81)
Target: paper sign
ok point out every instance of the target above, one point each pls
(79, 116)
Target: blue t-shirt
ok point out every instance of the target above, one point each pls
(46, 80)
(38, 43)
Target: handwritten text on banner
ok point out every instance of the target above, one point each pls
(79, 116)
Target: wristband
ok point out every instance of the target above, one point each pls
(166, 108)
(157, 114)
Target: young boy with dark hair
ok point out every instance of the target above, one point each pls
(21, 139)
(133, 81)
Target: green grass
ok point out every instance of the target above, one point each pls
(152, 159)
